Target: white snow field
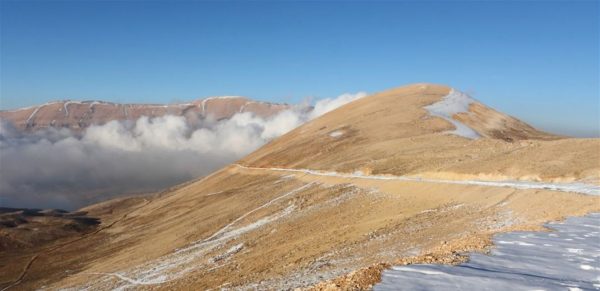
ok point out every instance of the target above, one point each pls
(567, 258)
(453, 103)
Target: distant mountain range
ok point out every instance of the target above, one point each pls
(78, 115)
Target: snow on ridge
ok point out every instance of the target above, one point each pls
(32, 115)
(203, 104)
(453, 103)
(30, 107)
(96, 102)
(66, 106)
(20, 109)
(227, 97)
(223, 97)
(243, 107)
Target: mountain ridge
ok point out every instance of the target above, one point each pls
(78, 115)
(368, 133)
(255, 227)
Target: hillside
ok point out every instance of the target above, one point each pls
(394, 133)
(78, 115)
(420, 173)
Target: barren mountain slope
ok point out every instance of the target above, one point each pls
(394, 133)
(78, 115)
(265, 224)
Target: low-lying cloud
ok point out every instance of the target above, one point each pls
(55, 168)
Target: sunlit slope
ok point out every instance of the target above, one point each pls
(262, 228)
(393, 133)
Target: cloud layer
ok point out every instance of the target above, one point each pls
(55, 168)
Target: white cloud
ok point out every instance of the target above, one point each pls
(328, 104)
(54, 168)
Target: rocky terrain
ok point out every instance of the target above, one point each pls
(417, 174)
(78, 115)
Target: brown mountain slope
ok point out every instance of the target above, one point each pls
(261, 228)
(79, 115)
(392, 133)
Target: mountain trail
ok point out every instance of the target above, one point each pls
(581, 188)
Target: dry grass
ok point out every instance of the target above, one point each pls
(339, 232)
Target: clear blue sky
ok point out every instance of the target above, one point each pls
(537, 60)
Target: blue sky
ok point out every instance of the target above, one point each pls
(537, 60)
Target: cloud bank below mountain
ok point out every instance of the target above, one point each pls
(55, 168)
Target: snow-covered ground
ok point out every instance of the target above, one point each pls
(453, 103)
(565, 259)
(582, 188)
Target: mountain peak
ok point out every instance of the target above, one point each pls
(392, 119)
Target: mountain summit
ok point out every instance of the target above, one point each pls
(421, 173)
(427, 130)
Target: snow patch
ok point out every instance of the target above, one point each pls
(336, 134)
(520, 261)
(66, 106)
(33, 114)
(243, 107)
(203, 104)
(453, 103)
